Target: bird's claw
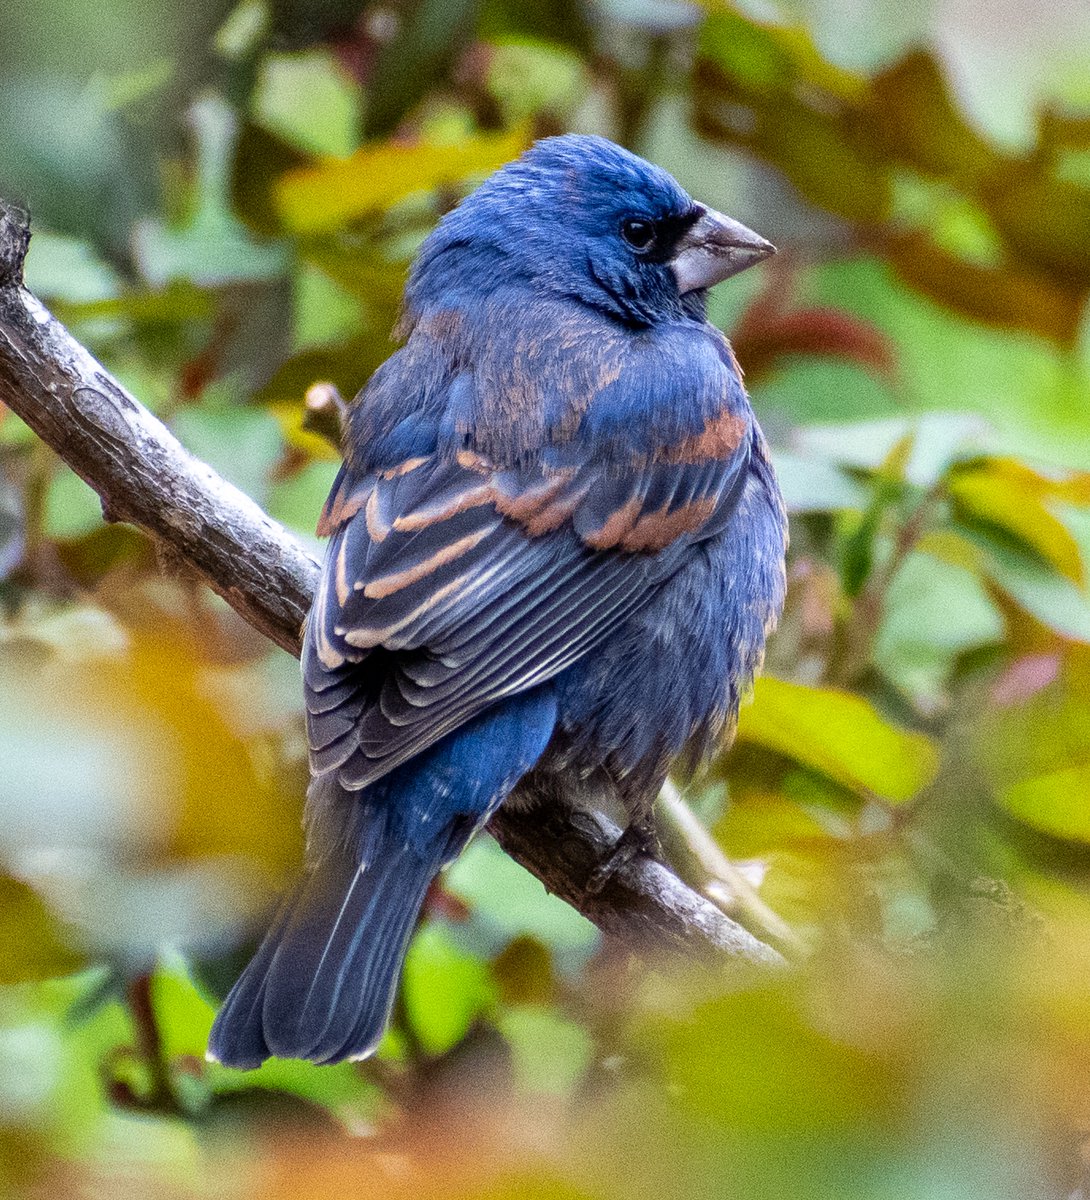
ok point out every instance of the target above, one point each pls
(636, 839)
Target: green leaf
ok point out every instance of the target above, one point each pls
(179, 304)
(934, 611)
(764, 822)
(445, 989)
(72, 507)
(755, 1062)
(857, 558)
(935, 441)
(296, 502)
(242, 443)
(867, 42)
(130, 87)
(528, 77)
(1029, 393)
(956, 223)
(811, 485)
(1046, 595)
(64, 268)
(244, 28)
(551, 1054)
(823, 389)
(510, 902)
(770, 59)
(213, 246)
(1003, 492)
(309, 101)
(324, 311)
(841, 735)
(184, 1018)
(1054, 803)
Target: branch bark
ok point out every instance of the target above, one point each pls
(146, 477)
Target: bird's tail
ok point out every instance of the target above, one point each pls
(322, 984)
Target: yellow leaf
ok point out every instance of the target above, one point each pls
(761, 822)
(840, 735)
(30, 943)
(200, 788)
(1054, 803)
(1008, 494)
(290, 415)
(954, 548)
(325, 196)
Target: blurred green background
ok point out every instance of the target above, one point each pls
(225, 200)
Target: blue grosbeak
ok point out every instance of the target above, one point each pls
(556, 545)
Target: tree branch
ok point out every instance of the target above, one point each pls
(146, 477)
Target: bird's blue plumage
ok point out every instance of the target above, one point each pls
(556, 544)
(323, 981)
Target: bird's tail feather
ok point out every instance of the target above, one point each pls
(322, 984)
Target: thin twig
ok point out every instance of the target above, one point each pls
(726, 884)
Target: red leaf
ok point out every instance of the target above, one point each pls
(764, 337)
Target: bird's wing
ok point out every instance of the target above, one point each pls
(460, 583)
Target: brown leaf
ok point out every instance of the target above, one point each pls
(1010, 297)
(764, 338)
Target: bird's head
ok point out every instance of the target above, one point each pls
(583, 218)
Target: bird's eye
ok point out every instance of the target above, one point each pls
(638, 233)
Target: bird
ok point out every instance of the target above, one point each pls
(556, 549)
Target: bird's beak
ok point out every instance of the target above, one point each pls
(714, 249)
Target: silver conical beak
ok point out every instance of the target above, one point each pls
(714, 249)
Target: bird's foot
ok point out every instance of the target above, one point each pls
(638, 838)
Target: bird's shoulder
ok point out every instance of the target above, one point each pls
(554, 417)
(518, 377)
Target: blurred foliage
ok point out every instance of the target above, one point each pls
(226, 197)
